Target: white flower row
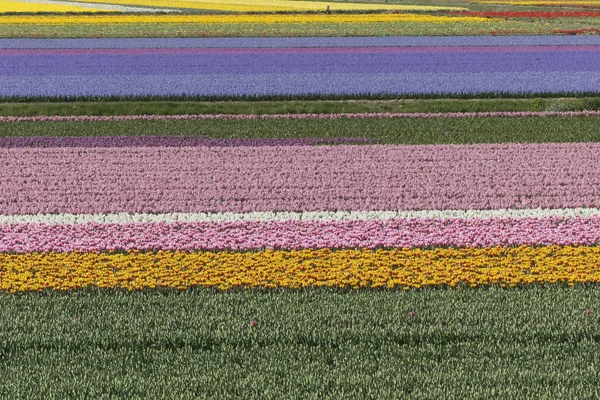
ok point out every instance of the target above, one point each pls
(123, 218)
(100, 6)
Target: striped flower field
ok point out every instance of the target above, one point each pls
(344, 215)
(436, 235)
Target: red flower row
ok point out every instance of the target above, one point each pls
(529, 14)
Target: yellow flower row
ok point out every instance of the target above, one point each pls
(269, 5)
(18, 6)
(232, 19)
(406, 268)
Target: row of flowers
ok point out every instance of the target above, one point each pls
(236, 6)
(292, 51)
(328, 72)
(319, 216)
(298, 178)
(297, 235)
(331, 116)
(53, 6)
(530, 14)
(234, 19)
(297, 42)
(543, 3)
(356, 269)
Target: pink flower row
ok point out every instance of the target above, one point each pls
(249, 235)
(302, 178)
(505, 114)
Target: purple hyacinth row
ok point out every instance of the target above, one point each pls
(301, 178)
(200, 117)
(270, 84)
(163, 141)
(388, 60)
(287, 42)
(337, 71)
(252, 235)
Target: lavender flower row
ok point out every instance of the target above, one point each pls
(251, 235)
(199, 117)
(249, 62)
(15, 142)
(337, 71)
(136, 43)
(300, 178)
(285, 84)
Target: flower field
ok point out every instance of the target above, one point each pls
(255, 5)
(359, 209)
(339, 71)
(287, 18)
(410, 213)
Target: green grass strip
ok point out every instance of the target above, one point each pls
(295, 106)
(390, 131)
(540, 342)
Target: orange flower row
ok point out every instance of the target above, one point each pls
(405, 268)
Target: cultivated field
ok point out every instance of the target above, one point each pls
(295, 199)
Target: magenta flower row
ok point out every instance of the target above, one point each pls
(500, 114)
(251, 235)
(301, 178)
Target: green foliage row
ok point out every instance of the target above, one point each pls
(390, 131)
(401, 28)
(536, 342)
(165, 107)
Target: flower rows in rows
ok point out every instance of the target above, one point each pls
(294, 269)
(300, 178)
(298, 235)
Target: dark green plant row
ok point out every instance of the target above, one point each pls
(391, 131)
(296, 106)
(536, 342)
